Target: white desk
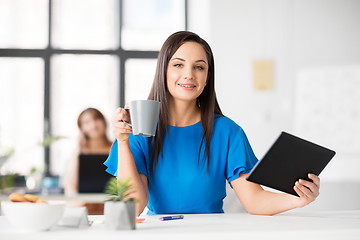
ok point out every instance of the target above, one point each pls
(304, 226)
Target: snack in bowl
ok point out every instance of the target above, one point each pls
(17, 197)
(31, 198)
(32, 216)
(41, 201)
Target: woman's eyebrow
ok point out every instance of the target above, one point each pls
(177, 58)
(201, 61)
(180, 59)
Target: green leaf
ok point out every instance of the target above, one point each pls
(118, 189)
(50, 139)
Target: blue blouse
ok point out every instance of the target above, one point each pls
(180, 183)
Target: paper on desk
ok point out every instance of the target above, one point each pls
(74, 217)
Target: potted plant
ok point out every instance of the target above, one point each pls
(119, 208)
(6, 180)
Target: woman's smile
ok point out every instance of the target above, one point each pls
(187, 86)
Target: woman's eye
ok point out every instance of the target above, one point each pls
(178, 65)
(199, 67)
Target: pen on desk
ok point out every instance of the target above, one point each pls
(166, 218)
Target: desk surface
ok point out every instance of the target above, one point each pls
(320, 225)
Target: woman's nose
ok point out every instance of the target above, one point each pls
(188, 74)
(92, 124)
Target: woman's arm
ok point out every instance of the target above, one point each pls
(71, 176)
(126, 163)
(127, 169)
(258, 201)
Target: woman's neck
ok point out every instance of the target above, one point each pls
(98, 145)
(183, 113)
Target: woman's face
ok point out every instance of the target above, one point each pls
(187, 72)
(92, 127)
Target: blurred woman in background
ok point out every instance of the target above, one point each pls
(92, 140)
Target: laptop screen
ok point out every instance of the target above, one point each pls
(92, 174)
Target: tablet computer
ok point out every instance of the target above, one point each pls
(289, 159)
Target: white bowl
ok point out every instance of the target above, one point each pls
(33, 216)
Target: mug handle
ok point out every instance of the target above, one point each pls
(127, 123)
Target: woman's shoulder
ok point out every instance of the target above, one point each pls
(226, 128)
(221, 121)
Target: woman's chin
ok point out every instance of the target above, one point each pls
(95, 135)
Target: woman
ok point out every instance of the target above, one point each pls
(184, 167)
(92, 140)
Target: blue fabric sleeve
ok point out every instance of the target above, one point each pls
(112, 160)
(241, 158)
(137, 150)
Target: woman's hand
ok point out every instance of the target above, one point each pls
(120, 129)
(307, 191)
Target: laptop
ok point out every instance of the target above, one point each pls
(92, 175)
(289, 159)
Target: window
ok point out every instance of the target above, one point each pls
(90, 80)
(159, 18)
(23, 23)
(22, 112)
(58, 57)
(139, 77)
(85, 24)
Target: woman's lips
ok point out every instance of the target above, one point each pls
(187, 86)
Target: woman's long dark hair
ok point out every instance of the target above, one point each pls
(159, 92)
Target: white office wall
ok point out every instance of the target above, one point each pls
(199, 18)
(325, 33)
(297, 35)
(244, 31)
